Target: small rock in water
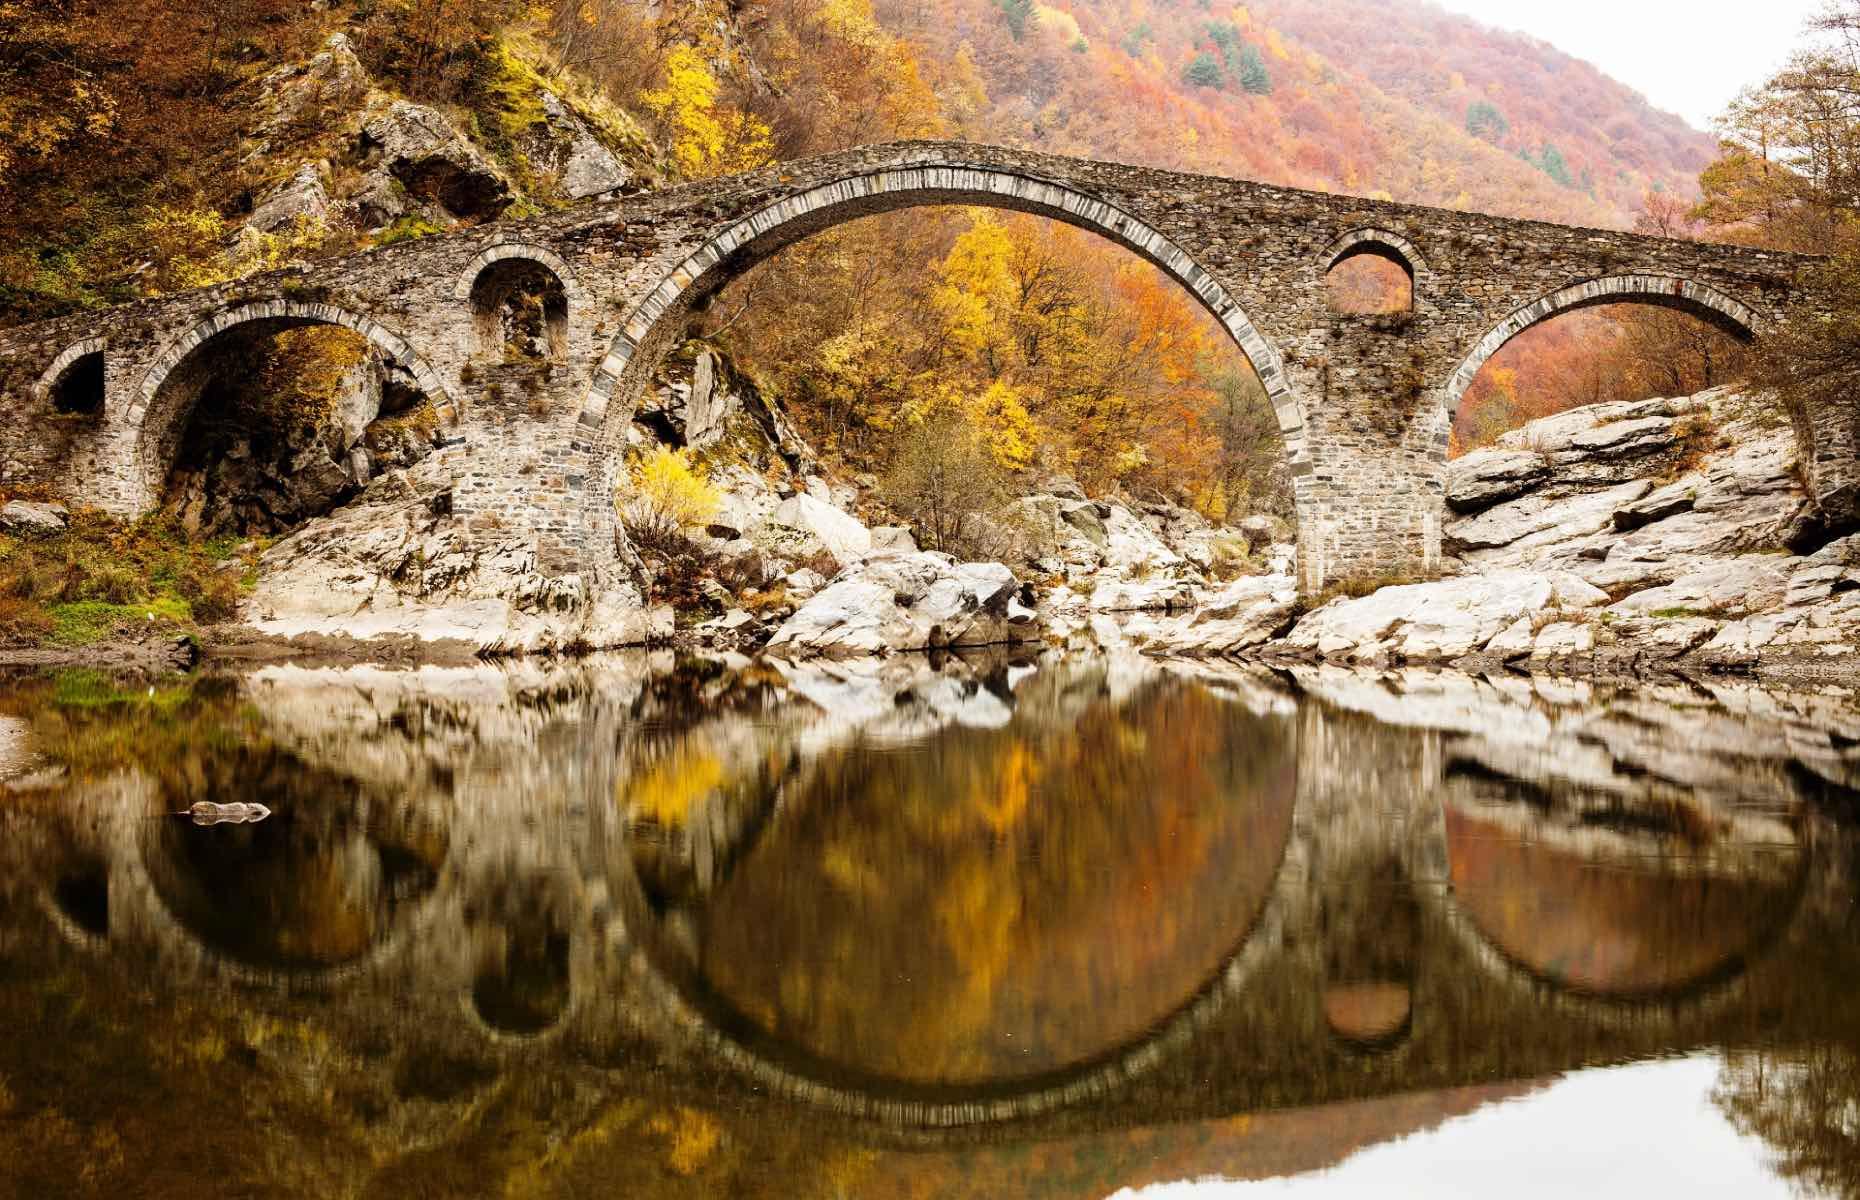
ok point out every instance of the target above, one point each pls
(205, 812)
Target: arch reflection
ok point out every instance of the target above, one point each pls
(315, 886)
(988, 908)
(1632, 900)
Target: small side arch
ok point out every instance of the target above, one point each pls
(155, 428)
(1381, 243)
(507, 270)
(1696, 299)
(540, 255)
(1355, 274)
(75, 380)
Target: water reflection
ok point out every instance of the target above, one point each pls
(316, 885)
(959, 929)
(1597, 915)
(997, 904)
(1805, 1104)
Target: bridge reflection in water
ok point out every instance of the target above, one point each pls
(789, 931)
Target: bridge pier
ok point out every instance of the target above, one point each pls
(1368, 520)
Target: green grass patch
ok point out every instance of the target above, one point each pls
(87, 622)
(103, 578)
(1687, 614)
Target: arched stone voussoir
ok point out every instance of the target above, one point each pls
(295, 313)
(1661, 290)
(1373, 240)
(542, 256)
(945, 183)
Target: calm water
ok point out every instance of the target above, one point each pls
(1041, 928)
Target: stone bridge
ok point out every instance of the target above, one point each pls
(95, 403)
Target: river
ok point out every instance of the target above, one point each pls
(990, 927)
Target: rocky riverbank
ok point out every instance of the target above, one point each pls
(1617, 539)
(1668, 535)
(1620, 539)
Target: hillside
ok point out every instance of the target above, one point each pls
(1390, 98)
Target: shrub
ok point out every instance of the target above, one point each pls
(945, 480)
(667, 496)
(112, 584)
(22, 620)
(212, 595)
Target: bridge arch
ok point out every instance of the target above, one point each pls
(157, 415)
(74, 381)
(1663, 291)
(1381, 243)
(646, 331)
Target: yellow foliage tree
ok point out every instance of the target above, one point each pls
(1012, 435)
(708, 138)
(666, 497)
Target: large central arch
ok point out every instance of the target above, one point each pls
(648, 330)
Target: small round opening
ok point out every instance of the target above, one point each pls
(79, 390)
(1370, 280)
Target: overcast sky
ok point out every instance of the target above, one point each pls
(1691, 57)
(1646, 1130)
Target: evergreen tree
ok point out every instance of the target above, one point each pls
(1225, 37)
(1484, 120)
(1551, 163)
(1253, 74)
(1204, 71)
(1018, 12)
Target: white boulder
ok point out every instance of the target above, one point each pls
(898, 602)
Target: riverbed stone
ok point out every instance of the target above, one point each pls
(1438, 621)
(897, 602)
(30, 518)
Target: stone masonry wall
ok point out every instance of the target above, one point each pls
(1364, 403)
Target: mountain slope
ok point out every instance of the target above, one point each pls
(1392, 98)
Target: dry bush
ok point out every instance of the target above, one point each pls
(946, 483)
(1696, 436)
(211, 594)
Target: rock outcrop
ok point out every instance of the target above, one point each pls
(802, 528)
(1616, 538)
(355, 153)
(895, 602)
(23, 518)
(396, 565)
(425, 154)
(1445, 620)
(1683, 512)
(565, 146)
